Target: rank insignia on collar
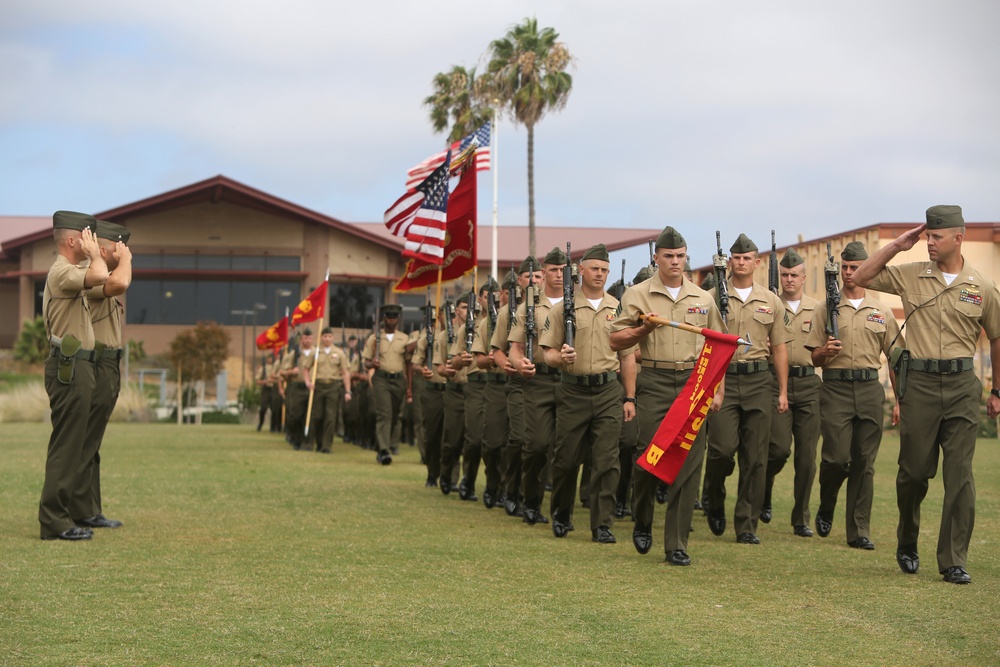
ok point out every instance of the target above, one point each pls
(971, 296)
(698, 310)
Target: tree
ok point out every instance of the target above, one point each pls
(32, 344)
(455, 105)
(199, 353)
(527, 74)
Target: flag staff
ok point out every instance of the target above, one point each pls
(493, 157)
(312, 382)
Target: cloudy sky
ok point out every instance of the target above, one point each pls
(805, 117)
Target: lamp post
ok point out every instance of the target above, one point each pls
(279, 293)
(243, 335)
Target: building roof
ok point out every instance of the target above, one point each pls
(215, 189)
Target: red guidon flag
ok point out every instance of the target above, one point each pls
(276, 336)
(675, 436)
(313, 306)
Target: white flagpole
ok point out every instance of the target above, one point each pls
(493, 158)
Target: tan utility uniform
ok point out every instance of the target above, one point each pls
(453, 434)
(67, 491)
(539, 405)
(388, 385)
(433, 406)
(668, 359)
(940, 408)
(510, 458)
(588, 409)
(853, 406)
(801, 421)
(332, 379)
(743, 423)
(494, 419)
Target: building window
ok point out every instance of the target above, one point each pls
(354, 306)
(217, 262)
(413, 316)
(223, 301)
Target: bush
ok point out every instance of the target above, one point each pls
(217, 417)
(32, 344)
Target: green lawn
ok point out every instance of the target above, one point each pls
(237, 550)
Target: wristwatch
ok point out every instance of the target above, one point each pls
(995, 392)
(630, 399)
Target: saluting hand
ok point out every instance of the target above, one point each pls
(88, 243)
(121, 252)
(909, 238)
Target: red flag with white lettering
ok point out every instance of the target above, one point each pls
(672, 441)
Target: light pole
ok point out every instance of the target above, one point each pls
(279, 293)
(243, 336)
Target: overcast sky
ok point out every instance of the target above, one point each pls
(806, 117)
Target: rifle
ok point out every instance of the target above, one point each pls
(772, 267)
(343, 338)
(569, 311)
(470, 322)
(377, 333)
(512, 293)
(449, 316)
(430, 321)
(530, 299)
(831, 269)
(652, 259)
(492, 311)
(719, 266)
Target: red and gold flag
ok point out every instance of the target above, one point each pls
(313, 306)
(276, 336)
(673, 439)
(460, 240)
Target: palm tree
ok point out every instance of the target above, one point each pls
(527, 74)
(454, 106)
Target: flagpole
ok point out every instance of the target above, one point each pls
(684, 326)
(493, 157)
(312, 389)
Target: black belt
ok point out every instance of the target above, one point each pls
(85, 355)
(545, 369)
(850, 374)
(435, 386)
(456, 386)
(325, 381)
(498, 378)
(747, 367)
(801, 371)
(668, 365)
(941, 366)
(388, 376)
(112, 353)
(595, 380)
(476, 377)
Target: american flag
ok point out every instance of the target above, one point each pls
(478, 141)
(420, 216)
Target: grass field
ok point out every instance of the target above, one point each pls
(237, 550)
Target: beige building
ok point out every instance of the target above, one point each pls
(220, 250)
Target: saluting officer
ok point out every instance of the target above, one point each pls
(743, 423)
(801, 421)
(106, 315)
(947, 303)
(589, 398)
(668, 358)
(70, 381)
(540, 385)
(853, 399)
(389, 381)
(332, 383)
